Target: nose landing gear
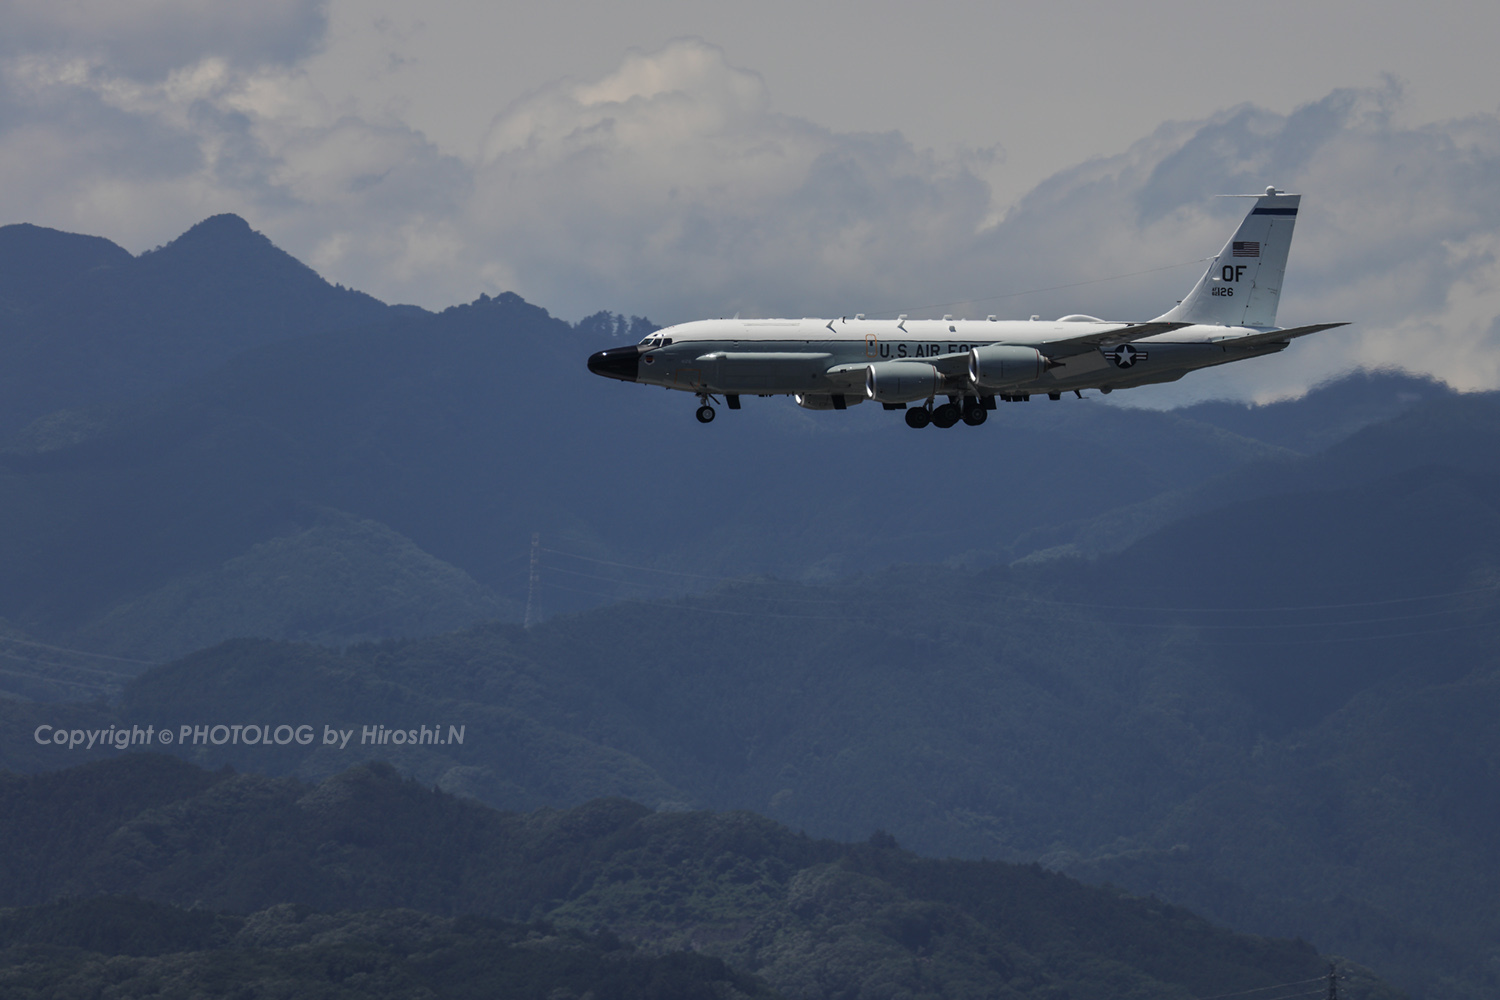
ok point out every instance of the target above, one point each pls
(705, 412)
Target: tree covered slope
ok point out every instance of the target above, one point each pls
(811, 918)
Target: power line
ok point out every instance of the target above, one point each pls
(633, 583)
(78, 652)
(1357, 638)
(1287, 609)
(683, 606)
(1286, 625)
(648, 569)
(85, 685)
(1489, 589)
(31, 661)
(867, 600)
(596, 576)
(971, 623)
(1262, 989)
(1289, 996)
(738, 596)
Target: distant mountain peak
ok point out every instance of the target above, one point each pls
(223, 223)
(222, 232)
(223, 251)
(87, 322)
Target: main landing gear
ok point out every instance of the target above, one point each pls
(971, 411)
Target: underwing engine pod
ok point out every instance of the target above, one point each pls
(901, 381)
(1000, 366)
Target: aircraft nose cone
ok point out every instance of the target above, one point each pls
(623, 363)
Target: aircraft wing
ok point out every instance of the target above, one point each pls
(949, 364)
(1276, 336)
(1071, 346)
(1067, 347)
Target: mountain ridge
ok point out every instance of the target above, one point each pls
(807, 916)
(826, 618)
(84, 322)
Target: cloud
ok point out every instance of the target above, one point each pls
(671, 187)
(141, 161)
(672, 181)
(148, 39)
(1398, 232)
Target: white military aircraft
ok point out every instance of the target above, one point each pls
(831, 364)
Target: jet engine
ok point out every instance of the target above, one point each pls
(999, 366)
(901, 381)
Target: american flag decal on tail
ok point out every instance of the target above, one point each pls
(1249, 248)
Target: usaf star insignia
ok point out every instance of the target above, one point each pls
(1125, 355)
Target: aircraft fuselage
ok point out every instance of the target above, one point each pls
(825, 357)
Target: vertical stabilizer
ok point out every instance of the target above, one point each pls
(1242, 286)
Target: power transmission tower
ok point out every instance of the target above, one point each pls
(536, 544)
(1333, 982)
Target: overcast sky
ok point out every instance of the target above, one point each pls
(681, 160)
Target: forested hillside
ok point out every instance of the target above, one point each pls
(811, 918)
(1291, 743)
(1242, 657)
(130, 948)
(1290, 768)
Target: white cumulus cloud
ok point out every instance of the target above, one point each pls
(671, 187)
(1397, 232)
(672, 182)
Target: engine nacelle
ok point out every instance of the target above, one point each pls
(901, 381)
(1000, 366)
(824, 401)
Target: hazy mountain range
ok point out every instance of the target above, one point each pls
(403, 466)
(1240, 657)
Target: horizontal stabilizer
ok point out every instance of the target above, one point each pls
(1277, 336)
(1072, 346)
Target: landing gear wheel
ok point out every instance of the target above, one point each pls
(705, 414)
(974, 413)
(946, 415)
(918, 417)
